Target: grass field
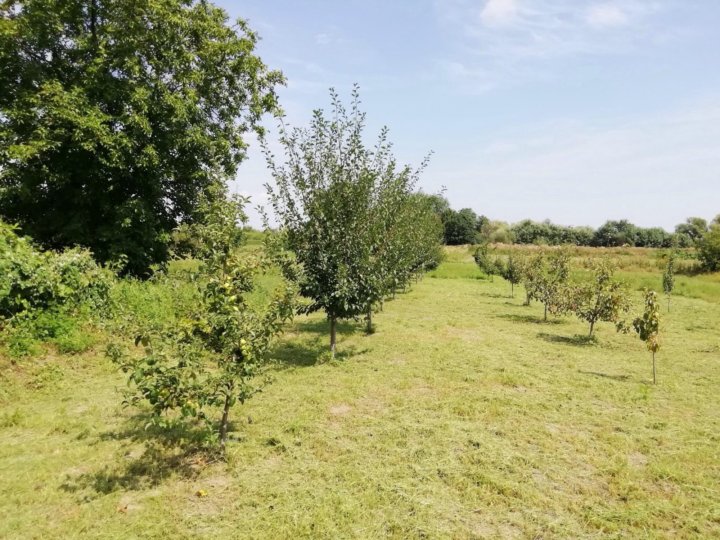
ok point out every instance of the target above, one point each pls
(463, 416)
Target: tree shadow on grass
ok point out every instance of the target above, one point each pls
(576, 340)
(493, 295)
(176, 451)
(622, 378)
(530, 319)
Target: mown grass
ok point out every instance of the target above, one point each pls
(463, 416)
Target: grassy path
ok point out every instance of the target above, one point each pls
(462, 417)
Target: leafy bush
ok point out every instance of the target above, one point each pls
(31, 279)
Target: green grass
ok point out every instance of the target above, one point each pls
(463, 416)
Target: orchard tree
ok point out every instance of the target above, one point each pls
(490, 266)
(546, 280)
(116, 116)
(602, 298)
(647, 325)
(512, 272)
(344, 209)
(212, 358)
(669, 277)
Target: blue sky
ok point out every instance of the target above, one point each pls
(573, 110)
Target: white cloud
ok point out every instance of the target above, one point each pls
(498, 12)
(517, 41)
(606, 15)
(323, 39)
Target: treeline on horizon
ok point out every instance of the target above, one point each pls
(466, 227)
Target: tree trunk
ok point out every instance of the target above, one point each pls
(527, 299)
(668, 303)
(333, 336)
(224, 421)
(369, 328)
(512, 290)
(592, 326)
(654, 380)
(545, 318)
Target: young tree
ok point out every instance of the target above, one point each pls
(116, 116)
(601, 299)
(512, 272)
(647, 326)
(546, 278)
(669, 277)
(344, 209)
(490, 266)
(212, 358)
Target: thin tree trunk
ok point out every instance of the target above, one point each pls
(527, 299)
(512, 290)
(592, 326)
(224, 421)
(333, 336)
(545, 318)
(369, 328)
(654, 379)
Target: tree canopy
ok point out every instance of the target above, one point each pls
(116, 116)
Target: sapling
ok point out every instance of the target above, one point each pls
(512, 272)
(647, 326)
(669, 277)
(602, 298)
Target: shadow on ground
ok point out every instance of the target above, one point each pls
(152, 454)
(314, 346)
(530, 319)
(576, 340)
(605, 375)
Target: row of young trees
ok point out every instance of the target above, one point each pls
(546, 277)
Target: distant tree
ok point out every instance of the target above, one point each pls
(615, 233)
(647, 325)
(669, 277)
(694, 228)
(601, 299)
(116, 116)
(460, 227)
(709, 249)
(512, 272)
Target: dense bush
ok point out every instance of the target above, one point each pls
(31, 279)
(709, 249)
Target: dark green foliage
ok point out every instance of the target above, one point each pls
(116, 116)
(32, 280)
(460, 227)
(547, 233)
(709, 248)
(693, 229)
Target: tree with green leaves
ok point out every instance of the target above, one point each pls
(709, 248)
(512, 272)
(546, 278)
(116, 116)
(602, 298)
(669, 277)
(647, 326)
(211, 358)
(344, 209)
(489, 265)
